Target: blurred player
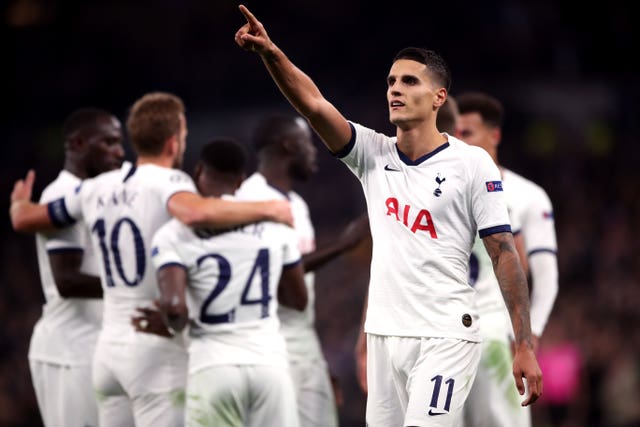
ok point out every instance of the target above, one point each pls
(231, 280)
(428, 194)
(64, 337)
(493, 401)
(124, 209)
(286, 155)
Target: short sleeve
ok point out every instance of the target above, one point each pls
(538, 225)
(174, 182)
(291, 253)
(488, 202)
(164, 246)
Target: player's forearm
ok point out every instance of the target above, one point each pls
(29, 217)
(321, 256)
(78, 285)
(513, 285)
(544, 275)
(305, 96)
(196, 211)
(295, 85)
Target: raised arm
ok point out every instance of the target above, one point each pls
(295, 85)
(196, 211)
(513, 286)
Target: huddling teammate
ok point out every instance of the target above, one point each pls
(138, 377)
(286, 155)
(427, 196)
(492, 400)
(231, 280)
(64, 338)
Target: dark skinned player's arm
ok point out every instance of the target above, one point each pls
(70, 281)
(353, 234)
(292, 291)
(172, 281)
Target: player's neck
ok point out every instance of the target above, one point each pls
(416, 142)
(162, 161)
(75, 169)
(277, 176)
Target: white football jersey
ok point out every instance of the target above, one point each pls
(532, 215)
(232, 293)
(296, 326)
(531, 208)
(424, 215)
(124, 209)
(68, 328)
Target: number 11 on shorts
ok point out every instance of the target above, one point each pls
(437, 386)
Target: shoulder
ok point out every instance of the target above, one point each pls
(64, 183)
(524, 188)
(365, 133)
(172, 230)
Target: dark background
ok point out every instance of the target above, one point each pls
(565, 73)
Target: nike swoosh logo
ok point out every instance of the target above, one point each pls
(390, 169)
(435, 413)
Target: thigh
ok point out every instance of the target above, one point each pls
(115, 411)
(386, 398)
(65, 394)
(440, 381)
(494, 400)
(156, 382)
(217, 396)
(314, 394)
(163, 409)
(273, 400)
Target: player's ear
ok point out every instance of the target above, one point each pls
(440, 97)
(496, 135)
(172, 146)
(75, 143)
(238, 181)
(197, 171)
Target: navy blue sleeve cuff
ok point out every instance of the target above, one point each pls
(493, 230)
(292, 264)
(58, 214)
(347, 148)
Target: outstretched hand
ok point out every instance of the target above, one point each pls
(526, 366)
(252, 36)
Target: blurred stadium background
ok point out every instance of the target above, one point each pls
(565, 73)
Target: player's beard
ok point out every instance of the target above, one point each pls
(301, 171)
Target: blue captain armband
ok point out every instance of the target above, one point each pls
(58, 214)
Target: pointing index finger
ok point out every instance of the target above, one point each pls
(248, 15)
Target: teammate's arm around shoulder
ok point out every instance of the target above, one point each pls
(26, 216)
(513, 285)
(197, 211)
(295, 85)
